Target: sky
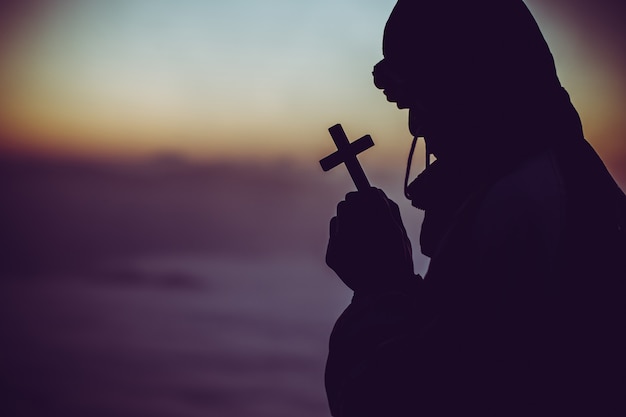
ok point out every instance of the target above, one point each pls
(248, 79)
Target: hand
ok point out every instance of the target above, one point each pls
(368, 247)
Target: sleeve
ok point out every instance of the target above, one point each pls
(364, 353)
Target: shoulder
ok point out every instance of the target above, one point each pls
(523, 211)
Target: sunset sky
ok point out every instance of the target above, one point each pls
(243, 78)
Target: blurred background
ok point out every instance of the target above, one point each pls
(163, 214)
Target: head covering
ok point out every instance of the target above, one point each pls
(486, 77)
(460, 38)
(483, 68)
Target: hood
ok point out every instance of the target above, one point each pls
(484, 73)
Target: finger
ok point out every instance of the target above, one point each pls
(381, 194)
(367, 202)
(370, 193)
(354, 207)
(351, 196)
(389, 207)
(341, 209)
(333, 227)
(357, 198)
(350, 218)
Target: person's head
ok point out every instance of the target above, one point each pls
(465, 68)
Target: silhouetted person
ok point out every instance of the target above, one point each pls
(522, 310)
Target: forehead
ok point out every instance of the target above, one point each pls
(420, 29)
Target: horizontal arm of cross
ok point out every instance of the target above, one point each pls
(340, 155)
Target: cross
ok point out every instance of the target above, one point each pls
(346, 153)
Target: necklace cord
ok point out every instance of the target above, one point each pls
(408, 167)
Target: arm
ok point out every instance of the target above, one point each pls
(371, 253)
